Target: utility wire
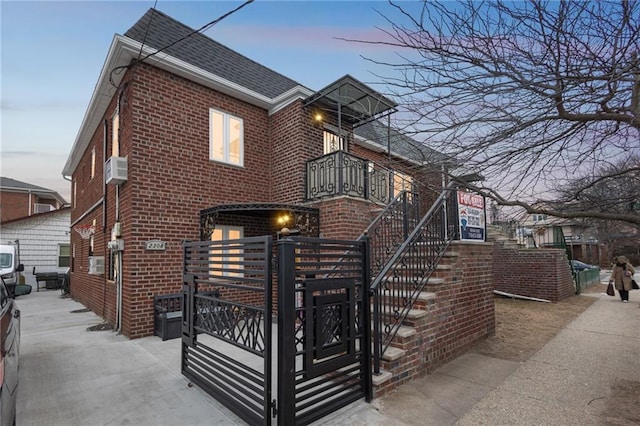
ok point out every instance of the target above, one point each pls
(146, 32)
(205, 27)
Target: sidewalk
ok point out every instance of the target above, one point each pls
(588, 374)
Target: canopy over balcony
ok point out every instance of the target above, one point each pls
(352, 100)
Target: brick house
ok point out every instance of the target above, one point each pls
(21, 199)
(162, 120)
(198, 142)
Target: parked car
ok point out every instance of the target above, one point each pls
(581, 266)
(9, 354)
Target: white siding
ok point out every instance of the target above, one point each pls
(39, 238)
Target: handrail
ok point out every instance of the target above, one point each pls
(390, 228)
(397, 286)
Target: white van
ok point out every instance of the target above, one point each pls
(10, 266)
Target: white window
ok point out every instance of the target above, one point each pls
(401, 182)
(332, 142)
(115, 135)
(93, 162)
(226, 138)
(222, 260)
(539, 217)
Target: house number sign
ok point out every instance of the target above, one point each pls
(155, 245)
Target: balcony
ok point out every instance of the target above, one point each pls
(342, 174)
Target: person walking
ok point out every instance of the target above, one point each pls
(621, 276)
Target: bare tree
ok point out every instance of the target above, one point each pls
(616, 190)
(529, 94)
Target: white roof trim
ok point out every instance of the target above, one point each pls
(122, 51)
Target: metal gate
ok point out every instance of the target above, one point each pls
(324, 343)
(324, 334)
(226, 326)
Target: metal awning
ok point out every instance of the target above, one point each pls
(305, 219)
(352, 100)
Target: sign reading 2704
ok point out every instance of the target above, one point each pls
(471, 216)
(155, 245)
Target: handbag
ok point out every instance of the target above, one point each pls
(634, 285)
(610, 290)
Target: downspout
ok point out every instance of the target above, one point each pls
(119, 276)
(119, 254)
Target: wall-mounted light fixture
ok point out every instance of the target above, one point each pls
(283, 219)
(317, 117)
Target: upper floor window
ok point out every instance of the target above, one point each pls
(115, 135)
(539, 217)
(93, 162)
(226, 138)
(332, 142)
(401, 182)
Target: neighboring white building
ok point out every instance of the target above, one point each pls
(44, 241)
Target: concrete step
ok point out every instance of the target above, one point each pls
(392, 354)
(412, 314)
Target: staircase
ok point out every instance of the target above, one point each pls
(410, 262)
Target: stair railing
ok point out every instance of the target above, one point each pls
(391, 228)
(396, 287)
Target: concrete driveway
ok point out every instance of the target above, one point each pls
(71, 376)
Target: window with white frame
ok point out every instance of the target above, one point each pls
(332, 142)
(93, 162)
(226, 138)
(539, 217)
(222, 260)
(115, 135)
(401, 182)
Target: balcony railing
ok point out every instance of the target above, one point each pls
(340, 173)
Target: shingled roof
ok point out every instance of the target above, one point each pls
(8, 184)
(158, 30)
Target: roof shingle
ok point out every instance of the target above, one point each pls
(158, 30)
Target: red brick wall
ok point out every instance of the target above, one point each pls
(13, 205)
(294, 141)
(540, 273)
(344, 218)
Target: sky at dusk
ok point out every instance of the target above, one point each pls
(53, 52)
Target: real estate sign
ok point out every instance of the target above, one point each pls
(471, 216)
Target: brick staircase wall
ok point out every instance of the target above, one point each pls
(454, 312)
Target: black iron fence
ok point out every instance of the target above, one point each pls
(226, 325)
(340, 173)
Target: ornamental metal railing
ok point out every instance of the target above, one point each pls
(341, 173)
(398, 284)
(391, 228)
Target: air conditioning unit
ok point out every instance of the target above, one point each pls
(115, 170)
(96, 265)
(42, 208)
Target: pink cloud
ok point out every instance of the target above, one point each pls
(322, 38)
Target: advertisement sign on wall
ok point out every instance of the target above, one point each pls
(471, 216)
